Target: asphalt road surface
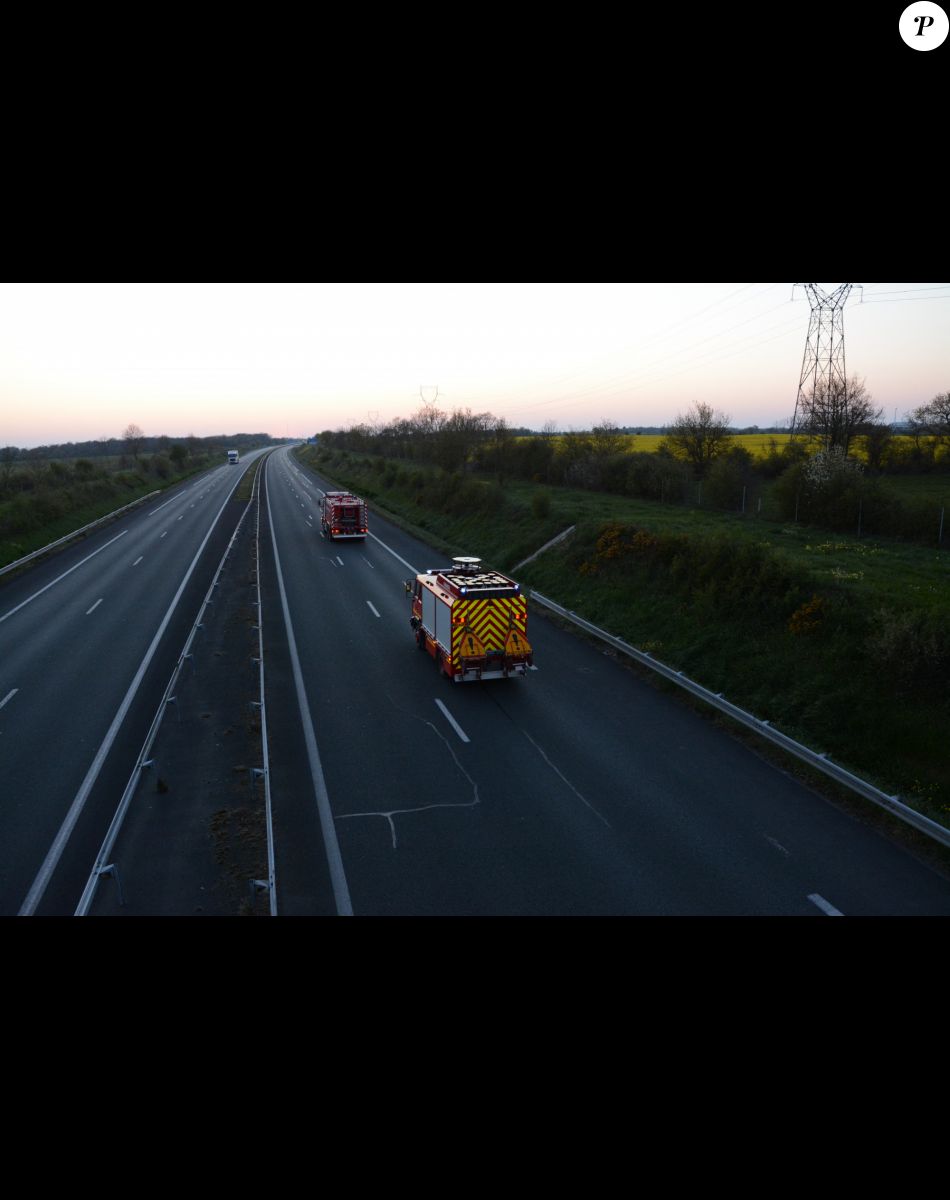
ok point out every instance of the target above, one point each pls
(88, 639)
(580, 789)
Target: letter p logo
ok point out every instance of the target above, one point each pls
(924, 26)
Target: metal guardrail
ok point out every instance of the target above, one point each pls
(820, 762)
(271, 882)
(547, 546)
(76, 533)
(102, 864)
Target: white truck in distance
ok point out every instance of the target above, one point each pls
(233, 456)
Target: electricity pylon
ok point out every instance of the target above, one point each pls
(823, 361)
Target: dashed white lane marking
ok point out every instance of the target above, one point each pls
(452, 721)
(165, 534)
(138, 560)
(824, 905)
(777, 845)
(368, 563)
(339, 560)
(30, 599)
(94, 607)
(8, 697)
(372, 609)
(182, 517)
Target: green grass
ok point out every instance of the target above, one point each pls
(868, 685)
(933, 489)
(32, 520)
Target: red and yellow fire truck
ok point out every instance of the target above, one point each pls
(471, 621)
(342, 515)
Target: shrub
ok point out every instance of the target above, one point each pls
(913, 649)
(725, 480)
(808, 617)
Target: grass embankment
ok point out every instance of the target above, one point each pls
(63, 499)
(842, 643)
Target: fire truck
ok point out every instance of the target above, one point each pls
(471, 621)
(342, 515)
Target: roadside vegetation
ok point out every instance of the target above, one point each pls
(44, 497)
(841, 641)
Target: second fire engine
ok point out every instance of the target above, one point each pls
(342, 515)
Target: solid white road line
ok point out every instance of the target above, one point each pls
(55, 852)
(824, 905)
(9, 696)
(94, 607)
(414, 570)
(372, 609)
(161, 506)
(583, 799)
(341, 891)
(452, 721)
(63, 576)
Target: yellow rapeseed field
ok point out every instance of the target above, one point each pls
(759, 444)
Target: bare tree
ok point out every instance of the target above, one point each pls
(134, 439)
(933, 419)
(699, 436)
(835, 411)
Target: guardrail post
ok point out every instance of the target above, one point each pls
(113, 870)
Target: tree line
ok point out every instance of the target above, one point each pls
(815, 477)
(134, 442)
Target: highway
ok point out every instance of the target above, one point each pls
(580, 790)
(87, 642)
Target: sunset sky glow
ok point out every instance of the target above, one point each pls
(82, 361)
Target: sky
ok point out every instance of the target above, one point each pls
(81, 361)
